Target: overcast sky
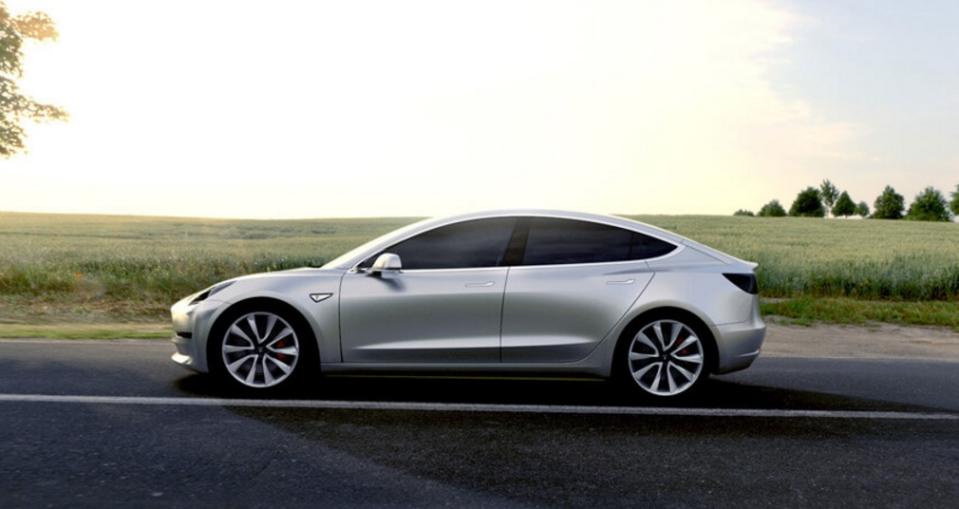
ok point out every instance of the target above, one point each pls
(314, 109)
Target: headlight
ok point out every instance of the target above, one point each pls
(209, 292)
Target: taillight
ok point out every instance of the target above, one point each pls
(745, 282)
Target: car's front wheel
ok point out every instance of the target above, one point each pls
(664, 356)
(259, 348)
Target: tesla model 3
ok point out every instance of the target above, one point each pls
(520, 292)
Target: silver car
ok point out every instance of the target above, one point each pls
(519, 292)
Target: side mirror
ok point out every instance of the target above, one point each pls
(386, 262)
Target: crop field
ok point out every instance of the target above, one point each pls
(120, 269)
(863, 259)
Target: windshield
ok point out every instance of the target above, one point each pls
(346, 259)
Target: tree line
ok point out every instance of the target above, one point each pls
(929, 205)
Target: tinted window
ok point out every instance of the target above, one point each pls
(647, 247)
(557, 241)
(480, 243)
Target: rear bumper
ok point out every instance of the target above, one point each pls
(739, 344)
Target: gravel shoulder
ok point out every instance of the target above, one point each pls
(856, 342)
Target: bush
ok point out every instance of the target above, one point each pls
(889, 204)
(744, 212)
(772, 209)
(807, 204)
(844, 207)
(929, 205)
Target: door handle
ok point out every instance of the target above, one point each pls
(621, 282)
(479, 285)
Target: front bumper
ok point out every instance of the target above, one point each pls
(191, 326)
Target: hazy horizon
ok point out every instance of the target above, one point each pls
(320, 110)
(310, 218)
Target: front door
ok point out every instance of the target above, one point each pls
(444, 306)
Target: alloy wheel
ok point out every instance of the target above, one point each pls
(260, 349)
(665, 358)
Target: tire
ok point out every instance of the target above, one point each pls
(664, 355)
(261, 347)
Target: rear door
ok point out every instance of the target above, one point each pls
(571, 285)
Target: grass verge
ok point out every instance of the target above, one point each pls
(86, 330)
(810, 310)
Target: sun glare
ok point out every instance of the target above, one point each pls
(291, 109)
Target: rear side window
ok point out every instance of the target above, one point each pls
(480, 243)
(644, 247)
(561, 241)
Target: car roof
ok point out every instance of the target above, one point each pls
(621, 222)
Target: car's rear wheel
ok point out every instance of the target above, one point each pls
(263, 348)
(664, 356)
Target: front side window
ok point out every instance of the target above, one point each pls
(479, 243)
(560, 241)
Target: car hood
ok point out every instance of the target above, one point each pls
(293, 281)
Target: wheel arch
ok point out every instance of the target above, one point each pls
(668, 311)
(261, 303)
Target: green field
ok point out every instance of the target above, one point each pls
(81, 269)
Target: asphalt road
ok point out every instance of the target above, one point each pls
(120, 452)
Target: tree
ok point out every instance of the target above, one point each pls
(929, 205)
(954, 205)
(772, 209)
(889, 204)
(14, 105)
(862, 209)
(743, 212)
(828, 193)
(844, 207)
(808, 203)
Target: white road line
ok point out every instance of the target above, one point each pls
(473, 407)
